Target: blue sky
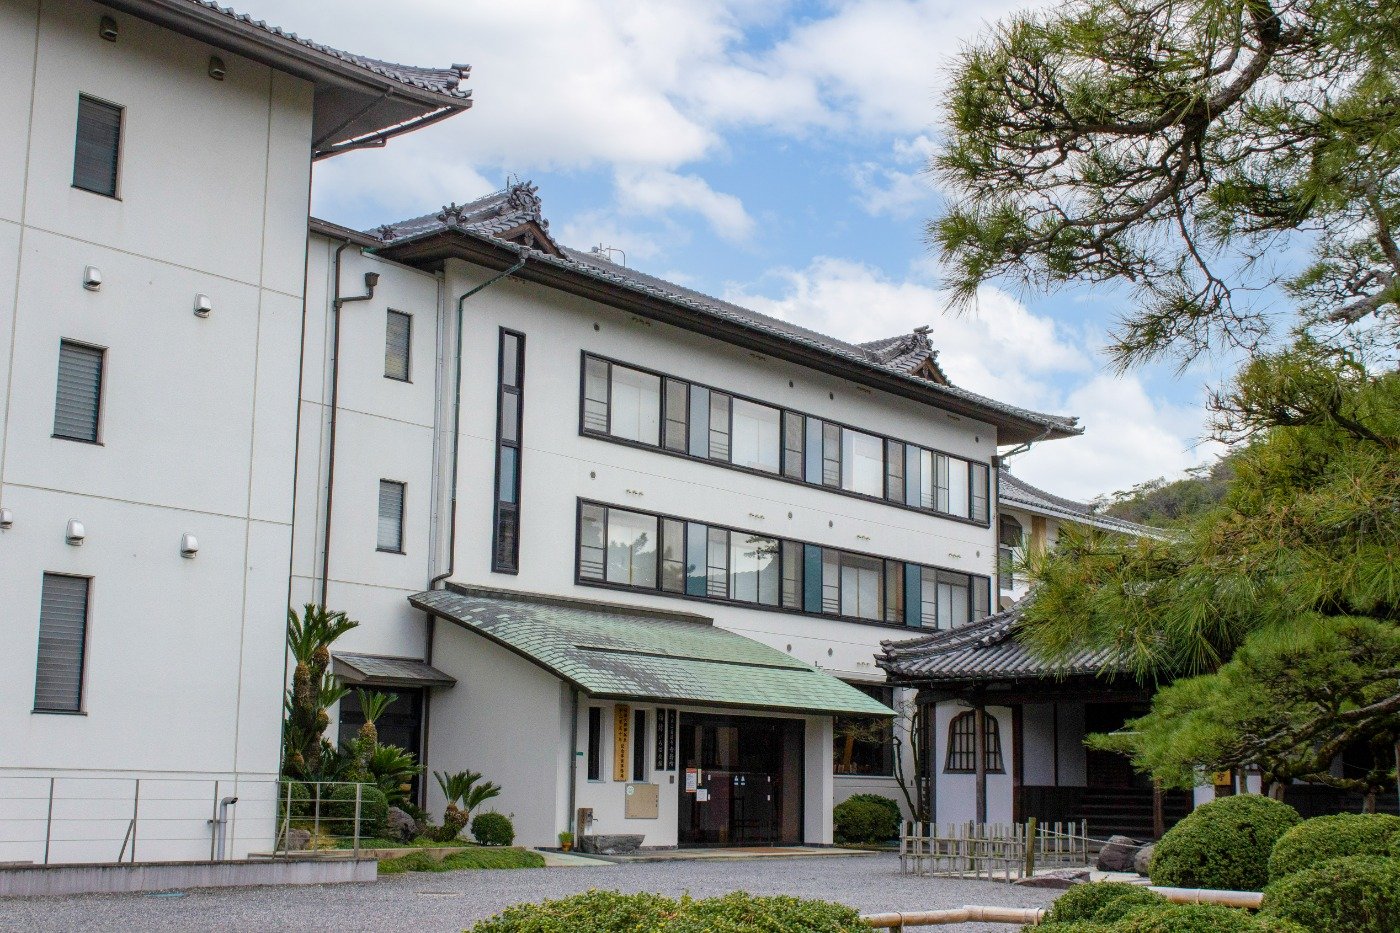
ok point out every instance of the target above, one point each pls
(770, 152)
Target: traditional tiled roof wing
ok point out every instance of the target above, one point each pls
(625, 652)
(986, 650)
(488, 216)
(1014, 491)
(911, 353)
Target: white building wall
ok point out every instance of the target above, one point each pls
(956, 795)
(184, 658)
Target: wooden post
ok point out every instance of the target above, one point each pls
(1018, 771)
(1030, 847)
(1159, 818)
(979, 727)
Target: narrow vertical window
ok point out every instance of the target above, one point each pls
(793, 429)
(672, 555)
(862, 463)
(894, 591)
(813, 568)
(595, 743)
(592, 542)
(717, 564)
(697, 546)
(979, 492)
(97, 152)
(505, 550)
(63, 617)
(719, 426)
(831, 581)
(792, 575)
(677, 422)
(700, 422)
(639, 745)
(913, 477)
(78, 401)
(398, 337)
(391, 496)
(831, 455)
(814, 451)
(894, 471)
(941, 496)
(959, 488)
(981, 598)
(595, 394)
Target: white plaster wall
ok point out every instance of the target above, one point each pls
(957, 793)
(608, 797)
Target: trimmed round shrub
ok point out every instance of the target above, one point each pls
(861, 821)
(1135, 901)
(1224, 844)
(1201, 918)
(1323, 838)
(890, 805)
(1360, 894)
(1085, 901)
(612, 912)
(747, 913)
(338, 811)
(493, 829)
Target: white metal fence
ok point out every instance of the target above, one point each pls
(991, 850)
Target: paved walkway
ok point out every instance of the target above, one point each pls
(428, 903)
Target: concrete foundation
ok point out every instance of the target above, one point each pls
(112, 878)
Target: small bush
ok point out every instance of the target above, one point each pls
(1360, 894)
(338, 811)
(1323, 838)
(493, 829)
(465, 859)
(612, 912)
(1084, 901)
(862, 820)
(1199, 918)
(298, 795)
(890, 805)
(1224, 844)
(1134, 901)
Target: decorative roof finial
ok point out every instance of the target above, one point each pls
(386, 232)
(451, 214)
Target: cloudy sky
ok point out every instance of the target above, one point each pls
(767, 151)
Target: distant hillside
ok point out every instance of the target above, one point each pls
(1165, 504)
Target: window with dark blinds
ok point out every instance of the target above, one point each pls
(99, 144)
(63, 610)
(391, 516)
(510, 399)
(79, 397)
(398, 335)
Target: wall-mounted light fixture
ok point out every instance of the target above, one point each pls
(76, 533)
(92, 278)
(189, 545)
(107, 29)
(7, 519)
(202, 306)
(217, 71)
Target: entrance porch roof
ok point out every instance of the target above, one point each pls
(623, 652)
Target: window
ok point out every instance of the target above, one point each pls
(78, 401)
(793, 430)
(631, 548)
(757, 442)
(979, 492)
(505, 541)
(1010, 537)
(949, 599)
(595, 394)
(63, 615)
(962, 744)
(639, 745)
(677, 422)
(865, 744)
(398, 334)
(862, 463)
(635, 405)
(719, 426)
(894, 471)
(391, 495)
(98, 148)
(595, 743)
(753, 569)
(673, 555)
(861, 587)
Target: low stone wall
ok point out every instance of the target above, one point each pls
(108, 878)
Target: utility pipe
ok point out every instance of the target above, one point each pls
(337, 302)
(457, 423)
(220, 824)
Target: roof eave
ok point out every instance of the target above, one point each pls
(433, 248)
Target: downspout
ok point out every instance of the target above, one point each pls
(337, 302)
(457, 427)
(573, 765)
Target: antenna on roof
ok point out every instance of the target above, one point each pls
(512, 180)
(606, 252)
(923, 329)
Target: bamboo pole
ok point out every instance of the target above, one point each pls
(1247, 899)
(898, 920)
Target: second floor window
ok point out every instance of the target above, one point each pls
(398, 335)
(63, 619)
(1010, 537)
(78, 401)
(505, 535)
(97, 153)
(640, 407)
(391, 498)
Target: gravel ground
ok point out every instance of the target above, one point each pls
(427, 903)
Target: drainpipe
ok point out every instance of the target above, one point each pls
(338, 301)
(220, 825)
(457, 425)
(573, 766)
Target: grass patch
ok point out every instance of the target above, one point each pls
(475, 857)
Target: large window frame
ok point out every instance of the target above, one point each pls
(962, 744)
(810, 449)
(857, 739)
(509, 451)
(803, 584)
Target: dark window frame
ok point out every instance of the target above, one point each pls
(594, 762)
(803, 546)
(403, 511)
(408, 346)
(882, 693)
(783, 473)
(508, 510)
(97, 420)
(961, 757)
(115, 192)
(81, 708)
(639, 745)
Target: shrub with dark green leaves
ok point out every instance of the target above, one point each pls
(1201, 918)
(1224, 844)
(1323, 838)
(493, 829)
(890, 805)
(338, 811)
(1360, 894)
(1084, 901)
(860, 820)
(612, 912)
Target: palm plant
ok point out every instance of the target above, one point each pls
(461, 787)
(393, 769)
(372, 706)
(309, 637)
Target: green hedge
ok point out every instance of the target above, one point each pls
(1360, 894)
(1224, 844)
(1164, 917)
(338, 811)
(613, 912)
(1085, 901)
(464, 859)
(493, 829)
(865, 818)
(1323, 838)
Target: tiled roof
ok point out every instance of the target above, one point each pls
(907, 352)
(986, 650)
(1016, 492)
(385, 671)
(444, 81)
(623, 652)
(507, 209)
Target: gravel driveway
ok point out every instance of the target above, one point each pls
(427, 903)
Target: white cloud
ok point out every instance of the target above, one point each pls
(882, 190)
(658, 192)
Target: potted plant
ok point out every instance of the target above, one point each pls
(566, 840)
